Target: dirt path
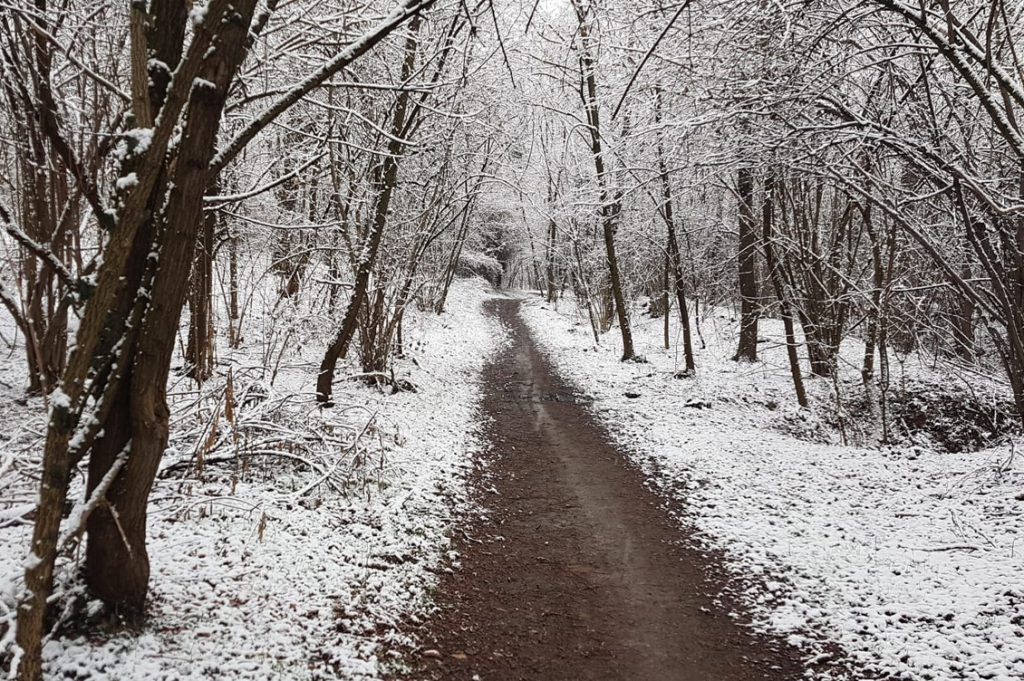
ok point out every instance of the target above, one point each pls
(578, 573)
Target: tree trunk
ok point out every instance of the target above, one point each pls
(666, 301)
(673, 255)
(583, 291)
(47, 210)
(552, 284)
(785, 309)
(964, 309)
(610, 205)
(453, 262)
(386, 181)
(234, 324)
(747, 350)
(874, 313)
(126, 357)
(199, 351)
(114, 387)
(117, 562)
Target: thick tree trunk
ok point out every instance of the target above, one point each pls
(747, 350)
(127, 356)
(823, 354)
(114, 386)
(117, 563)
(962, 327)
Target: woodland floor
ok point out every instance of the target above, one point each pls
(537, 509)
(574, 570)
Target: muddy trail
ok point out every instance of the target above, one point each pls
(577, 571)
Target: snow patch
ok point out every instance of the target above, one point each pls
(281, 572)
(126, 182)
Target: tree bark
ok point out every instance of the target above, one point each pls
(552, 284)
(126, 357)
(233, 317)
(117, 562)
(199, 351)
(785, 308)
(610, 202)
(666, 301)
(112, 396)
(747, 350)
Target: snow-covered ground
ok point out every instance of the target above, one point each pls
(298, 549)
(905, 556)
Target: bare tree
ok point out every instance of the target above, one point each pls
(610, 206)
(111, 404)
(747, 259)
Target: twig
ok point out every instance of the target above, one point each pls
(98, 496)
(648, 55)
(326, 475)
(1006, 465)
(120, 528)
